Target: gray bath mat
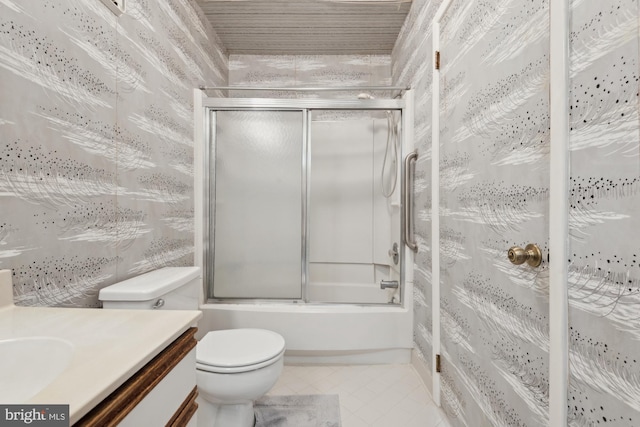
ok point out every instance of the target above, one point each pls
(316, 410)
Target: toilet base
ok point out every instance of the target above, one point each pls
(237, 415)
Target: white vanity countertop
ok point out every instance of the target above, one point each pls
(109, 347)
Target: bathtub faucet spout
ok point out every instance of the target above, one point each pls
(384, 284)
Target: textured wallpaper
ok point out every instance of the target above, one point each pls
(309, 71)
(96, 149)
(494, 193)
(494, 186)
(604, 220)
(412, 64)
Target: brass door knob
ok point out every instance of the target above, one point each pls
(531, 254)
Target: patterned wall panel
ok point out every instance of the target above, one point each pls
(604, 269)
(309, 71)
(96, 170)
(412, 65)
(603, 276)
(494, 325)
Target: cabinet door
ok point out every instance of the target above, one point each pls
(163, 403)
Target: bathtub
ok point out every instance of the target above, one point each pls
(325, 333)
(351, 293)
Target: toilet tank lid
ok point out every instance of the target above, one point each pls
(150, 285)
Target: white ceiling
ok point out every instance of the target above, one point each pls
(320, 27)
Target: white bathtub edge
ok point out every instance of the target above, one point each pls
(304, 308)
(318, 328)
(370, 357)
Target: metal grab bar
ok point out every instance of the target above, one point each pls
(407, 202)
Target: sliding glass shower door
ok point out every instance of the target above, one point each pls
(296, 208)
(353, 226)
(257, 197)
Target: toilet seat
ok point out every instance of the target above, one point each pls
(238, 350)
(236, 369)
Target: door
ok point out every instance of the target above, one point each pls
(257, 204)
(494, 194)
(353, 224)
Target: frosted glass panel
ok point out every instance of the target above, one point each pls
(341, 217)
(258, 204)
(349, 219)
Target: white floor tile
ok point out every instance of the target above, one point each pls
(369, 413)
(350, 402)
(350, 420)
(370, 395)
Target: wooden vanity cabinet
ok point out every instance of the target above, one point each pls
(163, 392)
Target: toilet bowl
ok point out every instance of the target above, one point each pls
(234, 367)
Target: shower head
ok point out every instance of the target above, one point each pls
(365, 96)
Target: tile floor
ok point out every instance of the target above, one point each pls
(370, 395)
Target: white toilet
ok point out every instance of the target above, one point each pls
(234, 367)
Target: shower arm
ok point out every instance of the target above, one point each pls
(408, 202)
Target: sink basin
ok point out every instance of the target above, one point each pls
(28, 365)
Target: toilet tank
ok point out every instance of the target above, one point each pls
(169, 288)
